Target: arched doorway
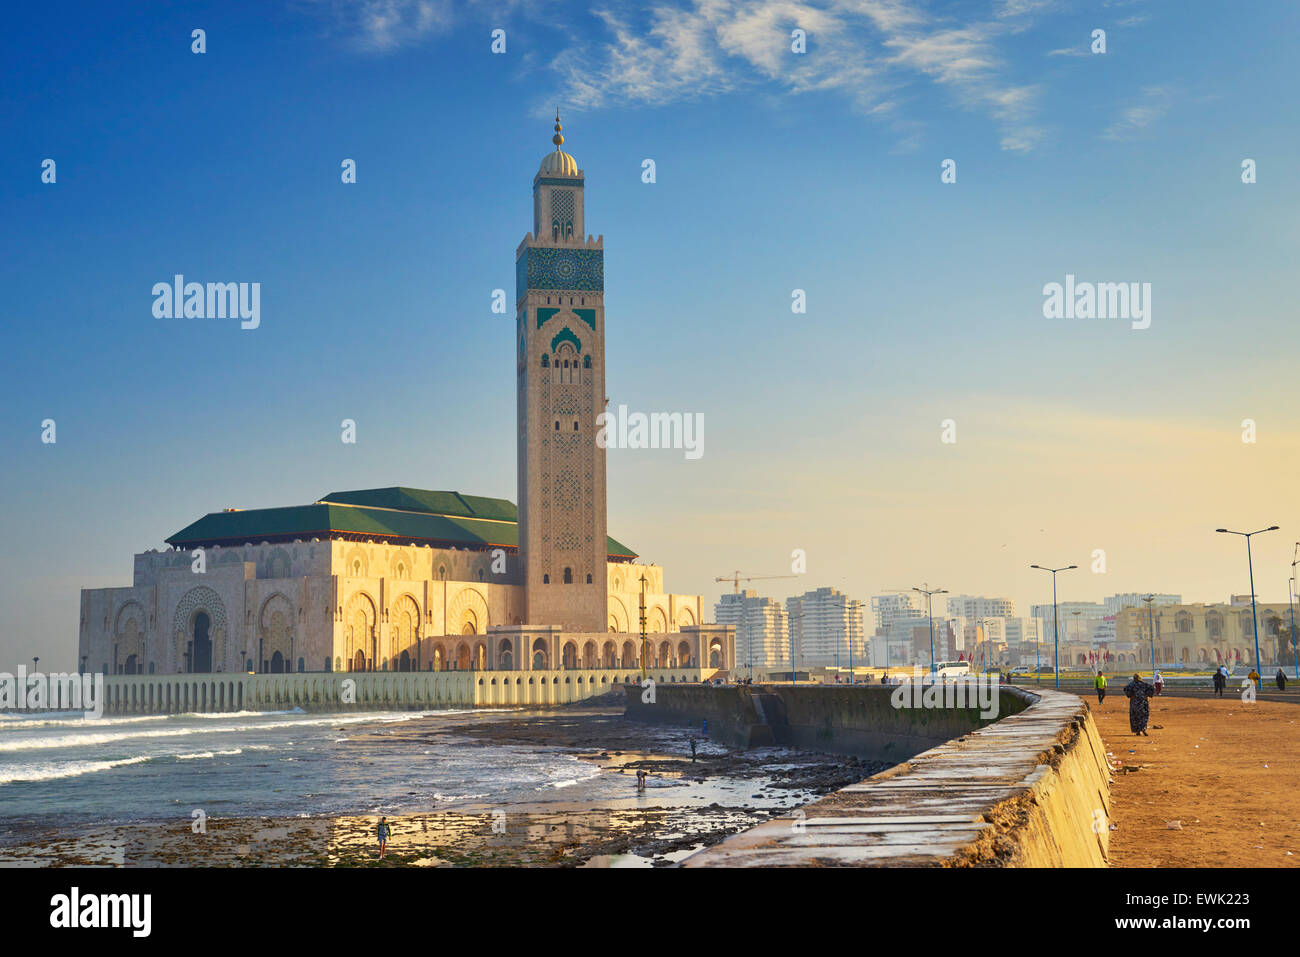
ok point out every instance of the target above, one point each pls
(359, 661)
(610, 655)
(505, 655)
(132, 664)
(462, 657)
(629, 655)
(684, 654)
(541, 659)
(715, 656)
(277, 664)
(201, 651)
(570, 655)
(404, 662)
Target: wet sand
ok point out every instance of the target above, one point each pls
(687, 805)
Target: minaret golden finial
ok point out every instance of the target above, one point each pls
(558, 138)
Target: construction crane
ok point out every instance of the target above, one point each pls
(736, 578)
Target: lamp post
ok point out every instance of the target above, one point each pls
(1254, 618)
(1151, 629)
(1056, 638)
(1290, 598)
(929, 592)
(1295, 645)
(794, 667)
(988, 644)
(853, 617)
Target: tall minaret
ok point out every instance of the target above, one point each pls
(560, 333)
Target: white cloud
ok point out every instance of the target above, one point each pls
(380, 26)
(876, 53)
(1133, 120)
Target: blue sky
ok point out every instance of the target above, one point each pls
(775, 171)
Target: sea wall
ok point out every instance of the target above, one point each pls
(860, 720)
(369, 690)
(1030, 789)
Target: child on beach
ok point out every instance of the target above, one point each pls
(383, 832)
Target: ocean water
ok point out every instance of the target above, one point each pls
(66, 768)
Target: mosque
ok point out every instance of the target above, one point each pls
(407, 579)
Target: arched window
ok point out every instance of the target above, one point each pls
(586, 362)
(568, 576)
(589, 578)
(546, 579)
(575, 426)
(557, 425)
(546, 362)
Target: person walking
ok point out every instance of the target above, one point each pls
(1220, 681)
(692, 750)
(1099, 683)
(1280, 678)
(383, 832)
(1158, 683)
(1139, 709)
(1254, 678)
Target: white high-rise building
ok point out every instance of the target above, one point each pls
(762, 629)
(1133, 599)
(975, 607)
(826, 628)
(888, 608)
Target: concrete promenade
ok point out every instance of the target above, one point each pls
(1031, 789)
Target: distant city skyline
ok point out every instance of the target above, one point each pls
(775, 172)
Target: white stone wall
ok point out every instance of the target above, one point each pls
(311, 614)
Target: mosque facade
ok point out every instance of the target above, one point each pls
(407, 579)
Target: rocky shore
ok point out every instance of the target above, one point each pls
(688, 804)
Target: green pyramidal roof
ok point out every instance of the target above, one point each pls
(439, 519)
(423, 500)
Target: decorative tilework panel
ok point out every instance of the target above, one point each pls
(541, 267)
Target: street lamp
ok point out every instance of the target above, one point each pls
(1291, 638)
(1056, 641)
(1254, 618)
(929, 610)
(794, 668)
(853, 617)
(988, 644)
(1295, 645)
(1151, 629)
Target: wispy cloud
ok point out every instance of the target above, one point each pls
(380, 26)
(877, 53)
(1133, 120)
(867, 50)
